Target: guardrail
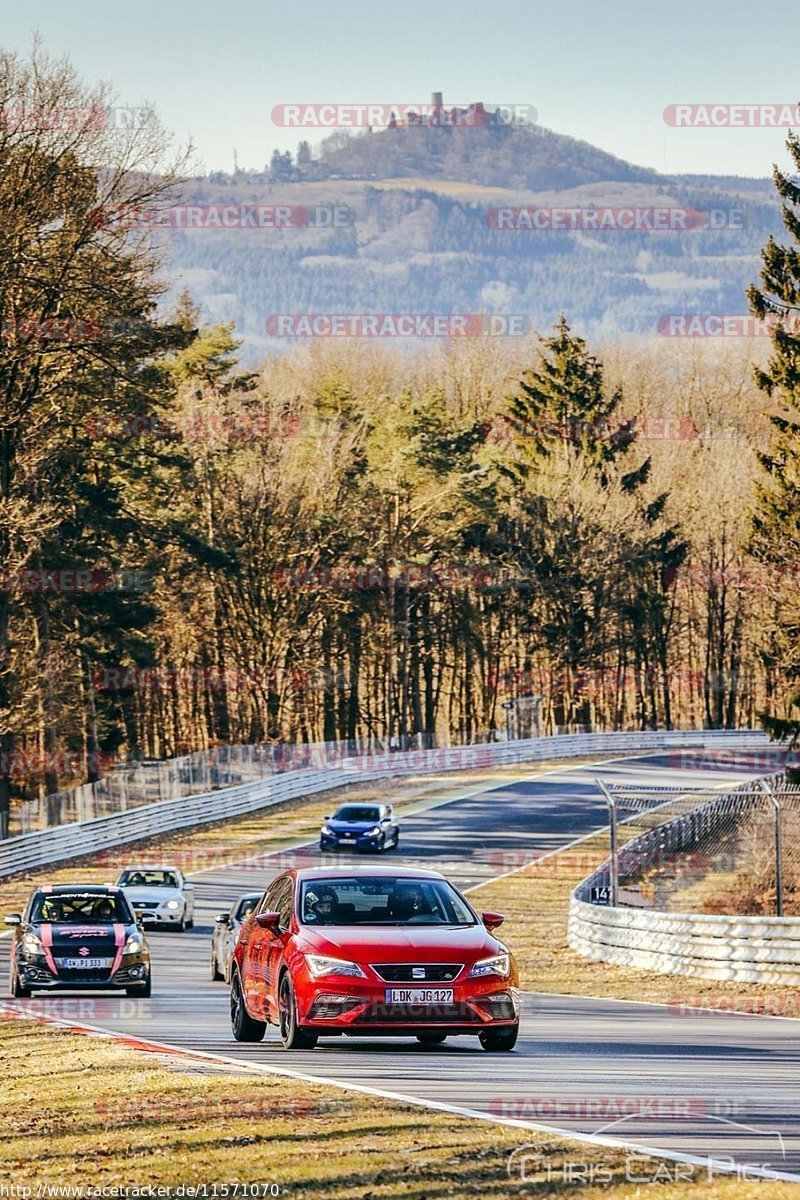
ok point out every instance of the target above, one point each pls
(85, 837)
(740, 949)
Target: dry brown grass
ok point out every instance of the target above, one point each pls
(88, 1112)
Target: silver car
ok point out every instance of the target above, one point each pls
(159, 895)
(226, 930)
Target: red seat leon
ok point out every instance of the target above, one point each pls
(372, 952)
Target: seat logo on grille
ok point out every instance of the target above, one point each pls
(417, 972)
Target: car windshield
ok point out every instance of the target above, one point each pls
(143, 878)
(245, 907)
(357, 812)
(80, 908)
(382, 900)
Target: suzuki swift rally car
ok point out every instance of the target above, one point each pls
(75, 936)
(372, 952)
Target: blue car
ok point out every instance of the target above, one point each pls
(366, 827)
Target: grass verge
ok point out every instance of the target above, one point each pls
(121, 1118)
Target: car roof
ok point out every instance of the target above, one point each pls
(66, 889)
(366, 872)
(148, 867)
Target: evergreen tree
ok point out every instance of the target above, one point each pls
(776, 522)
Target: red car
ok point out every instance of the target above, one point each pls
(371, 952)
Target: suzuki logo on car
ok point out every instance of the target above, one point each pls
(84, 950)
(417, 972)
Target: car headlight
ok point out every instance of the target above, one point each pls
(173, 904)
(32, 945)
(134, 945)
(373, 832)
(327, 830)
(320, 964)
(498, 965)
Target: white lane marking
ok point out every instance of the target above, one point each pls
(419, 1102)
(476, 791)
(721, 1012)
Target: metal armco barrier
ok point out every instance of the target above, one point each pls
(84, 837)
(736, 949)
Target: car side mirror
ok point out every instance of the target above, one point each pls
(13, 919)
(221, 919)
(329, 817)
(492, 920)
(270, 921)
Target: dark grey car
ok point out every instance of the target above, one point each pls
(226, 930)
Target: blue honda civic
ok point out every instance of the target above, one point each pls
(366, 827)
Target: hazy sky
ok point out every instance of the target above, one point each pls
(601, 73)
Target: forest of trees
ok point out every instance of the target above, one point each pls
(351, 541)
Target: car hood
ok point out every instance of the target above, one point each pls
(70, 939)
(401, 943)
(352, 826)
(161, 894)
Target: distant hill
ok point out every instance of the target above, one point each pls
(497, 156)
(421, 240)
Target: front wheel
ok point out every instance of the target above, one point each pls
(292, 1036)
(18, 989)
(245, 1029)
(499, 1039)
(141, 989)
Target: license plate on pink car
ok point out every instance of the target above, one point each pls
(419, 995)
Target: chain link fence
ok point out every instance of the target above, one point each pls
(131, 785)
(702, 850)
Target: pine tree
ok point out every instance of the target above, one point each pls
(776, 522)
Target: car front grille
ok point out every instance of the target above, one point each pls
(79, 976)
(137, 904)
(404, 972)
(418, 1014)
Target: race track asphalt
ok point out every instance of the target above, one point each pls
(723, 1086)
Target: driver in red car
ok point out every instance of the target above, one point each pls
(321, 906)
